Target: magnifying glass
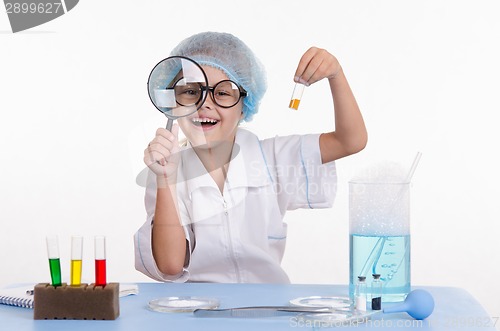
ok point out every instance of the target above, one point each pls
(175, 87)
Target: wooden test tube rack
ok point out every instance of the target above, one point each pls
(83, 302)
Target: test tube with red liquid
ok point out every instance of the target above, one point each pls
(100, 260)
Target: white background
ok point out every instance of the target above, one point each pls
(75, 117)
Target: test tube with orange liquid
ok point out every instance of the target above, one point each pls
(296, 96)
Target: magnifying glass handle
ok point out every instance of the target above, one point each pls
(169, 124)
(169, 128)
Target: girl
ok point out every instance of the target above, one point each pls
(215, 208)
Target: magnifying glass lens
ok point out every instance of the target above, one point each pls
(175, 87)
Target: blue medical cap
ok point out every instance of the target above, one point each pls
(229, 54)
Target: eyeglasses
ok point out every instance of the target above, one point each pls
(225, 93)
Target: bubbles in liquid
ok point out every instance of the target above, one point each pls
(379, 201)
(379, 225)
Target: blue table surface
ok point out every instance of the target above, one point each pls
(454, 309)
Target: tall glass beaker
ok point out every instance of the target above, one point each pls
(379, 236)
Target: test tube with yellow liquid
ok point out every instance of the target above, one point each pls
(76, 260)
(296, 96)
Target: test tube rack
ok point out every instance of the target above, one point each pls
(83, 302)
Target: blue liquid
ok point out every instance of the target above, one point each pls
(388, 256)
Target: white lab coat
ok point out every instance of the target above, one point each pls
(239, 236)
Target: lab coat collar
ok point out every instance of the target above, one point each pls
(248, 167)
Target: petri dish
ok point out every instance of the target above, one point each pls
(182, 304)
(337, 303)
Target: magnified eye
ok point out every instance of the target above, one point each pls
(187, 89)
(187, 93)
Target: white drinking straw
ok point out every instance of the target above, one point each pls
(413, 167)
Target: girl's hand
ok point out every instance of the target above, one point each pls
(162, 154)
(316, 64)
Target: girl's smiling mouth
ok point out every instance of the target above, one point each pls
(204, 122)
